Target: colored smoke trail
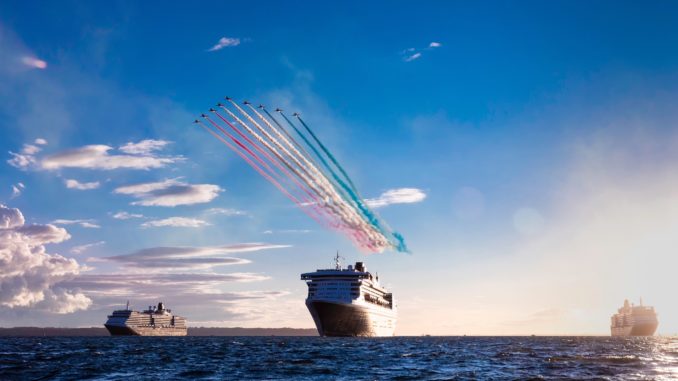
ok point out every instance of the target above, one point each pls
(318, 185)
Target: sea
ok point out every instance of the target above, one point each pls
(318, 358)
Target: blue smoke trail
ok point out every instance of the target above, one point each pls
(329, 155)
(395, 238)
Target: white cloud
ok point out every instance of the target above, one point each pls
(144, 147)
(225, 42)
(75, 184)
(189, 251)
(411, 54)
(126, 216)
(288, 231)
(82, 248)
(34, 63)
(30, 149)
(10, 217)
(170, 192)
(226, 212)
(26, 158)
(28, 273)
(17, 189)
(97, 157)
(397, 196)
(186, 257)
(40, 141)
(412, 57)
(91, 224)
(62, 301)
(20, 161)
(176, 222)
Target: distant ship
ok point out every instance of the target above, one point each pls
(349, 302)
(631, 320)
(155, 321)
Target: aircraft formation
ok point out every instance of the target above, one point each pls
(316, 182)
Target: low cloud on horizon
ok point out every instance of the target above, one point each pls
(187, 257)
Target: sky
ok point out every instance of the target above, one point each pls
(526, 152)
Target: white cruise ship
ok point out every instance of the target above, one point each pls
(349, 302)
(155, 321)
(632, 320)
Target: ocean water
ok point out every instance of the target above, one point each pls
(315, 358)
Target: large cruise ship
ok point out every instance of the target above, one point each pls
(155, 321)
(632, 320)
(349, 302)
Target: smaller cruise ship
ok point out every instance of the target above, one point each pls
(632, 320)
(155, 321)
(349, 302)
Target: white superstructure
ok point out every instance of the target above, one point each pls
(155, 321)
(349, 302)
(632, 320)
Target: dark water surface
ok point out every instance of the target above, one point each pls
(314, 358)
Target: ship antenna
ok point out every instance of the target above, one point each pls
(127, 308)
(337, 262)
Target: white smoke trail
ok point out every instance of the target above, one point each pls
(321, 179)
(327, 198)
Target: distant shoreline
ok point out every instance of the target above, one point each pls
(192, 331)
(232, 331)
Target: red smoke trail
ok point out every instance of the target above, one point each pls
(349, 214)
(314, 199)
(318, 216)
(358, 236)
(295, 165)
(297, 145)
(313, 203)
(258, 169)
(236, 141)
(305, 177)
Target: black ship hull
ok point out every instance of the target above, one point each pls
(347, 320)
(120, 331)
(116, 330)
(643, 329)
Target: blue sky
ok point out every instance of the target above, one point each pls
(541, 134)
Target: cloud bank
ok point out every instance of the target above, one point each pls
(28, 274)
(141, 155)
(97, 156)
